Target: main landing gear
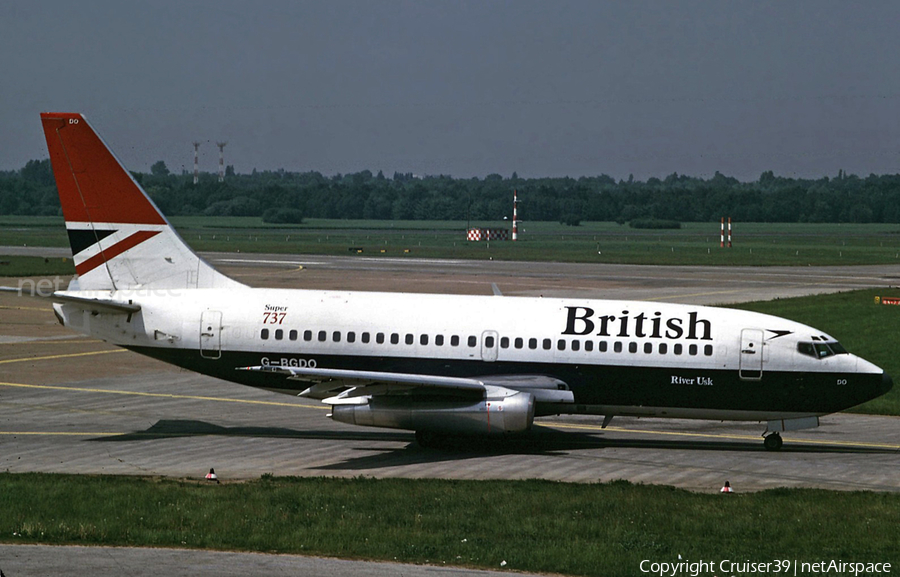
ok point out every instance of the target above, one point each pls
(772, 442)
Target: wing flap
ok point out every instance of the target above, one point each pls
(325, 381)
(352, 386)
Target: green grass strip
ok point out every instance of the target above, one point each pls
(578, 529)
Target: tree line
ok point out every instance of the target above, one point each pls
(283, 196)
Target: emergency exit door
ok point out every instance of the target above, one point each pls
(211, 334)
(751, 367)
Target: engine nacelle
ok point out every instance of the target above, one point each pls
(513, 412)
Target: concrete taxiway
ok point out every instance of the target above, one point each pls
(682, 284)
(41, 561)
(72, 404)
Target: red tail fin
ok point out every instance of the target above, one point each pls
(119, 238)
(88, 176)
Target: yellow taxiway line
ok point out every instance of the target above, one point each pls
(163, 395)
(717, 436)
(66, 356)
(551, 424)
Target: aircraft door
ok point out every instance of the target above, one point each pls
(751, 364)
(211, 334)
(489, 346)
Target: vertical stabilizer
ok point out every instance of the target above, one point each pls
(119, 238)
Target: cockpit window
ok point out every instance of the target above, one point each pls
(838, 348)
(821, 350)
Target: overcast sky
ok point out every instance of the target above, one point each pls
(464, 88)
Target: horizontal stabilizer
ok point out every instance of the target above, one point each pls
(86, 303)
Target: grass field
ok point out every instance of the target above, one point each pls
(575, 529)
(755, 244)
(19, 266)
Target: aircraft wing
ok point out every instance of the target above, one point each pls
(355, 385)
(89, 304)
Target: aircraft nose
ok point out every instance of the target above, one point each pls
(887, 383)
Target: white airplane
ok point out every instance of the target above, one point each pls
(434, 364)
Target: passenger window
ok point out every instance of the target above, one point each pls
(561, 344)
(632, 347)
(663, 348)
(379, 338)
(546, 344)
(395, 338)
(488, 342)
(322, 336)
(454, 341)
(519, 343)
(617, 347)
(292, 335)
(692, 350)
(307, 335)
(601, 346)
(410, 339)
(576, 345)
(648, 348)
(504, 342)
(472, 341)
(707, 350)
(365, 337)
(264, 334)
(279, 334)
(532, 343)
(677, 349)
(439, 340)
(336, 336)
(423, 339)
(589, 346)
(351, 337)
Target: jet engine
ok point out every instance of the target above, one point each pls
(504, 411)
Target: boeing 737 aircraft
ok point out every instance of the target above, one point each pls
(434, 364)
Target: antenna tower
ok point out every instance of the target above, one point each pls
(196, 162)
(221, 146)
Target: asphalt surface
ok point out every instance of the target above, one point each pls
(72, 404)
(45, 561)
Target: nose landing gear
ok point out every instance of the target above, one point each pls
(773, 442)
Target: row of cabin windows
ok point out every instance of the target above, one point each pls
(380, 338)
(489, 342)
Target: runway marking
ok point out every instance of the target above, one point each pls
(706, 294)
(61, 340)
(719, 436)
(9, 308)
(58, 434)
(163, 395)
(70, 355)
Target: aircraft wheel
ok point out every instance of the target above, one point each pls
(773, 442)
